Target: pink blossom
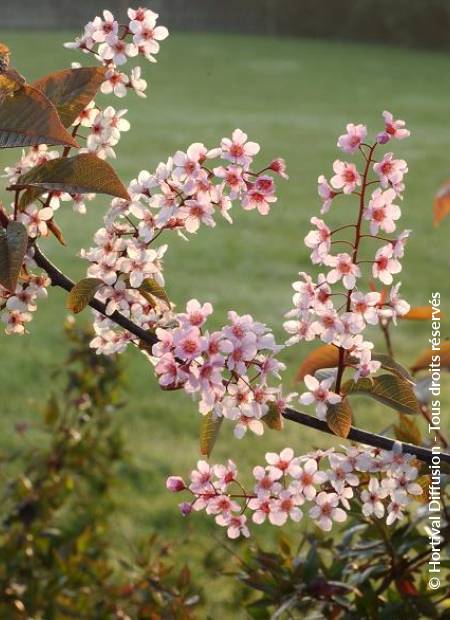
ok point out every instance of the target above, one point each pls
(188, 343)
(351, 141)
(24, 299)
(393, 129)
(322, 294)
(241, 325)
(307, 476)
(189, 164)
(283, 462)
(197, 212)
(286, 506)
(207, 377)
(196, 314)
(381, 212)
(326, 510)
(346, 178)
(326, 193)
(366, 305)
(238, 150)
(115, 50)
(395, 509)
(247, 422)
(385, 265)
(344, 268)
(303, 329)
(235, 524)
(366, 366)
(263, 508)
(318, 240)
(328, 325)
(225, 474)
(140, 264)
(279, 167)
(115, 82)
(101, 28)
(305, 292)
(222, 504)
(15, 321)
(117, 297)
(352, 323)
(201, 477)
(398, 246)
(266, 480)
(265, 184)
(36, 219)
(164, 344)
(403, 481)
(87, 116)
(233, 176)
(146, 34)
(399, 306)
(341, 472)
(319, 394)
(137, 83)
(240, 352)
(168, 371)
(344, 494)
(391, 171)
(256, 199)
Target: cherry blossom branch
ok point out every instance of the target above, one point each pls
(341, 362)
(361, 436)
(58, 278)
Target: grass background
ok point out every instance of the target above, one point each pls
(294, 97)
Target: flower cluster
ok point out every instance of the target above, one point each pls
(113, 44)
(104, 126)
(228, 370)
(180, 195)
(339, 317)
(323, 484)
(18, 305)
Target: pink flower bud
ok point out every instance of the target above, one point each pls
(185, 508)
(279, 166)
(175, 484)
(383, 138)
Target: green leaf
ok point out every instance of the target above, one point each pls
(71, 90)
(209, 430)
(273, 418)
(27, 118)
(392, 366)
(151, 287)
(390, 390)
(339, 418)
(13, 246)
(82, 293)
(81, 174)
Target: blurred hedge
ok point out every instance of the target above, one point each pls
(417, 23)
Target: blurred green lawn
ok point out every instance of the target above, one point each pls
(294, 97)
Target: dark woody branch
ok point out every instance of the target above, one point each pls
(371, 439)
